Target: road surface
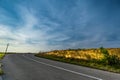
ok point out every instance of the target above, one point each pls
(29, 67)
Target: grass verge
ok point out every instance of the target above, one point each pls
(1, 57)
(88, 63)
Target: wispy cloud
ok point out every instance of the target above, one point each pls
(31, 32)
(45, 25)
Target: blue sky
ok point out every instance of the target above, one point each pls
(40, 25)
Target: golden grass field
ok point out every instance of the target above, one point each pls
(85, 53)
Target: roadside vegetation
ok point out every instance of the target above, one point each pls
(1, 57)
(102, 58)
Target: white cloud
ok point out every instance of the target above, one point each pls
(27, 31)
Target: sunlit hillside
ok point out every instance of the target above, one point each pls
(84, 53)
(100, 58)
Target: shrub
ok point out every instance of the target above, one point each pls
(104, 51)
(113, 60)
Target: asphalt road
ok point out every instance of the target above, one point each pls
(29, 67)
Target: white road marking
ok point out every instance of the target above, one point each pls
(63, 69)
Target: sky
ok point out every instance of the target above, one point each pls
(44, 25)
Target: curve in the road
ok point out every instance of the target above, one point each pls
(89, 76)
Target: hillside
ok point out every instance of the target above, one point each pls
(84, 53)
(100, 58)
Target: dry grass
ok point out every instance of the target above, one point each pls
(85, 53)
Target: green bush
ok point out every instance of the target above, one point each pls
(104, 51)
(111, 60)
(106, 55)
